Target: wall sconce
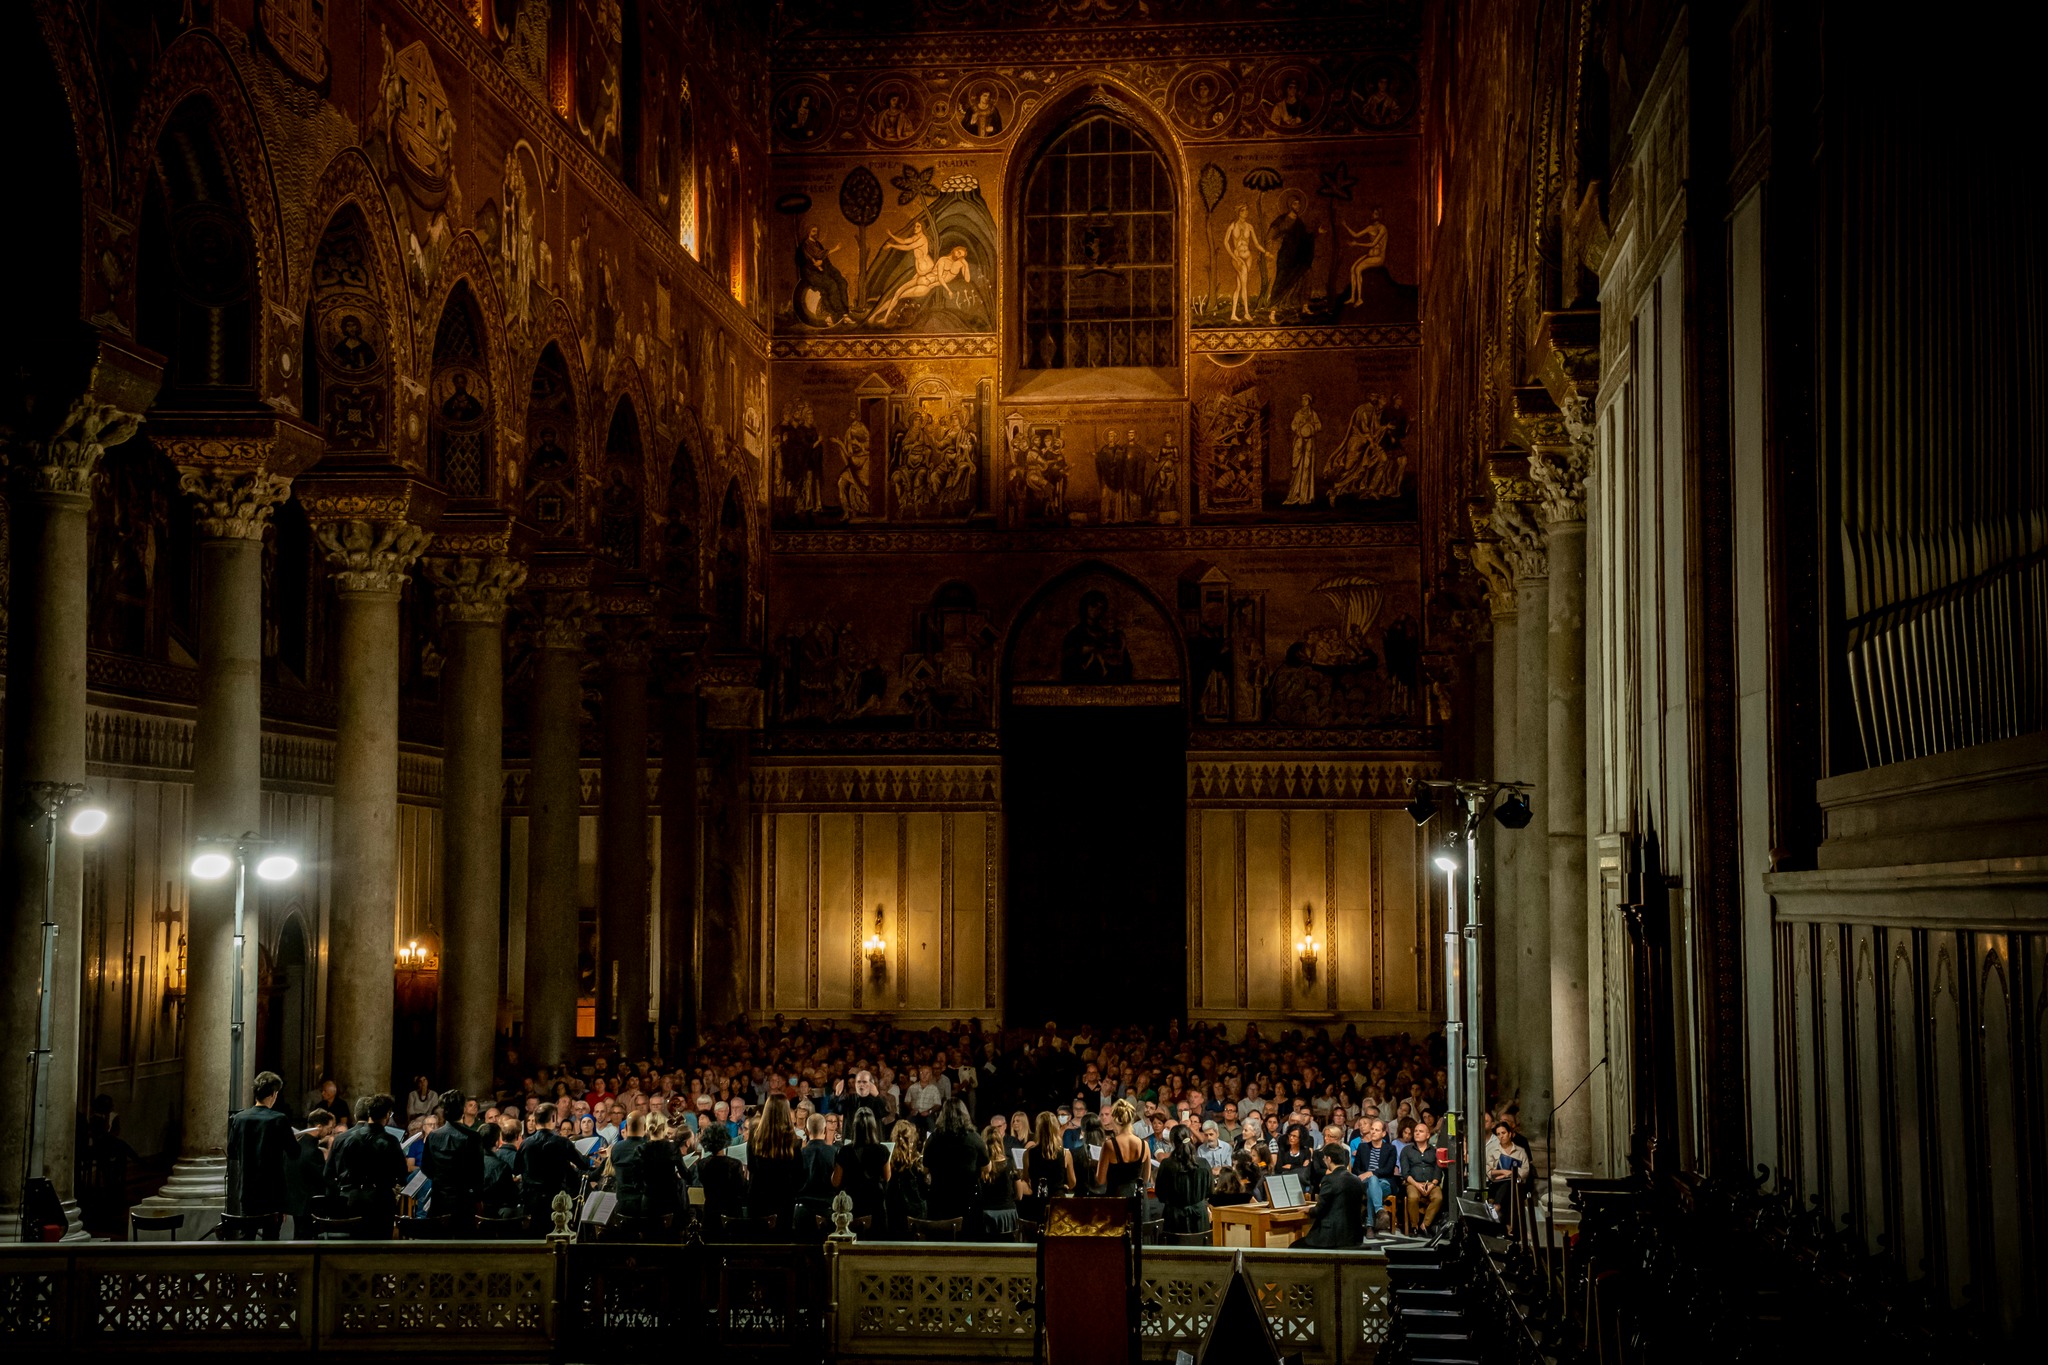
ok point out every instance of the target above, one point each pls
(415, 956)
(1307, 948)
(174, 978)
(877, 949)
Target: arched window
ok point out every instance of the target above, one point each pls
(1098, 251)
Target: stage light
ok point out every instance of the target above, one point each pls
(1422, 807)
(1446, 862)
(277, 867)
(211, 866)
(87, 821)
(1514, 813)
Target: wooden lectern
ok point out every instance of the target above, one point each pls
(1088, 1283)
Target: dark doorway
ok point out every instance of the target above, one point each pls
(1096, 806)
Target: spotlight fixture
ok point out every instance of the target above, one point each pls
(1422, 807)
(1445, 862)
(211, 865)
(87, 821)
(1513, 813)
(277, 867)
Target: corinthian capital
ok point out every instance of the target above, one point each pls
(233, 504)
(474, 589)
(562, 620)
(371, 556)
(1559, 473)
(62, 462)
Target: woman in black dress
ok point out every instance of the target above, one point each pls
(954, 1156)
(1048, 1169)
(775, 1168)
(1088, 1160)
(1121, 1170)
(995, 1197)
(724, 1179)
(1184, 1186)
(863, 1169)
(909, 1189)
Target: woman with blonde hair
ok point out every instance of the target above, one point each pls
(909, 1190)
(1048, 1169)
(1125, 1162)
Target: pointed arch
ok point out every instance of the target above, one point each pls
(354, 345)
(621, 495)
(467, 267)
(196, 66)
(549, 475)
(679, 571)
(95, 235)
(462, 409)
(732, 561)
(349, 182)
(1091, 626)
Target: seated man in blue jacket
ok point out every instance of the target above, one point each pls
(1376, 1161)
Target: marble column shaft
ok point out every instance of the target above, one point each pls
(1532, 870)
(371, 561)
(1503, 890)
(622, 985)
(472, 591)
(232, 510)
(45, 742)
(679, 832)
(554, 804)
(1562, 479)
(728, 829)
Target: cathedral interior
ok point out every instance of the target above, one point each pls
(676, 514)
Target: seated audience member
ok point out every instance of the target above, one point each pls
(1228, 1189)
(862, 1170)
(775, 1166)
(1337, 1203)
(909, 1189)
(820, 1159)
(1507, 1165)
(723, 1178)
(420, 1101)
(1295, 1152)
(1423, 1179)
(547, 1164)
(365, 1168)
(454, 1161)
(1377, 1163)
(954, 1157)
(995, 1196)
(1184, 1184)
(1048, 1170)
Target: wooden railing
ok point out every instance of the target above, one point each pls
(511, 1301)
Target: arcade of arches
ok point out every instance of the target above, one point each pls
(640, 496)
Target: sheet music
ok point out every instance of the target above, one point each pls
(584, 1145)
(415, 1185)
(598, 1206)
(1094, 1153)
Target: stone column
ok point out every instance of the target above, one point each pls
(472, 590)
(1560, 474)
(622, 950)
(1522, 545)
(372, 561)
(732, 697)
(51, 480)
(1499, 887)
(232, 508)
(679, 834)
(554, 801)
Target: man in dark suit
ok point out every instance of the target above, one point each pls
(1335, 1215)
(500, 1192)
(820, 1160)
(365, 1167)
(260, 1148)
(306, 1175)
(453, 1158)
(548, 1164)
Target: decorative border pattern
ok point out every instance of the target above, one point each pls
(1375, 336)
(1239, 929)
(860, 907)
(961, 540)
(946, 906)
(812, 892)
(954, 786)
(1250, 783)
(849, 741)
(1330, 909)
(981, 346)
(990, 832)
(1081, 42)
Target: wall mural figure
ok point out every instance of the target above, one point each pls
(820, 299)
(949, 671)
(1301, 485)
(856, 456)
(800, 461)
(1038, 473)
(1233, 451)
(1365, 463)
(1093, 652)
(933, 271)
(548, 489)
(347, 324)
(934, 454)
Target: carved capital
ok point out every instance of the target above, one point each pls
(628, 644)
(61, 463)
(561, 620)
(371, 556)
(233, 504)
(474, 589)
(1522, 542)
(1559, 473)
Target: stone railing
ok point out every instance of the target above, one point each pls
(522, 1300)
